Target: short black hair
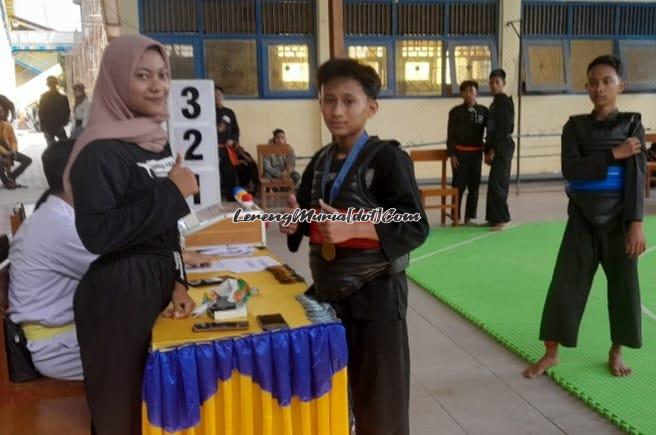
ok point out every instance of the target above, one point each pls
(54, 160)
(278, 130)
(610, 60)
(350, 68)
(219, 88)
(498, 73)
(468, 84)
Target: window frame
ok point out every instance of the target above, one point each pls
(447, 40)
(262, 41)
(619, 42)
(622, 45)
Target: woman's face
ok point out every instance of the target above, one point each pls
(149, 84)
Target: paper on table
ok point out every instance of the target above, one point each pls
(228, 251)
(238, 265)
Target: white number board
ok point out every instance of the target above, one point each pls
(192, 134)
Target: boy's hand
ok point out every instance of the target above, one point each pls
(292, 204)
(337, 232)
(628, 148)
(635, 240)
(455, 163)
(489, 157)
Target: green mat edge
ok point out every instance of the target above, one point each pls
(604, 412)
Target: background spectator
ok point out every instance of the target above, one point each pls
(54, 112)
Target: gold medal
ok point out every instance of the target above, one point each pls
(328, 251)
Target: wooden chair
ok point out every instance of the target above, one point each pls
(16, 218)
(43, 405)
(277, 187)
(651, 166)
(443, 191)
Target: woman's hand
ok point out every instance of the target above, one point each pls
(183, 305)
(196, 259)
(183, 178)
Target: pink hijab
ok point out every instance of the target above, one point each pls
(110, 117)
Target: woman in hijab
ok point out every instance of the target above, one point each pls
(128, 193)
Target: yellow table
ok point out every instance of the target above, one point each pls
(248, 382)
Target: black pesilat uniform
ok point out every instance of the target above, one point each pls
(465, 141)
(126, 210)
(372, 308)
(501, 123)
(605, 196)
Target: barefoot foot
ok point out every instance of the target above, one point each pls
(537, 369)
(616, 364)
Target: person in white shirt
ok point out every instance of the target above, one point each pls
(80, 110)
(47, 261)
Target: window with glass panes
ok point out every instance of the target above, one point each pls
(423, 48)
(251, 48)
(561, 39)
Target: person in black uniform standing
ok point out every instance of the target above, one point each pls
(128, 193)
(227, 130)
(604, 161)
(464, 145)
(360, 267)
(499, 149)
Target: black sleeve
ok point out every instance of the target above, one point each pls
(99, 177)
(394, 186)
(451, 134)
(235, 126)
(505, 117)
(576, 167)
(634, 180)
(303, 196)
(65, 114)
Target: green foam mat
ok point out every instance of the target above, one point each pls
(499, 281)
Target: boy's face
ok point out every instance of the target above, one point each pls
(604, 85)
(218, 98)
(469, 95)
(279, 139)
(345, 107)
(496, 85)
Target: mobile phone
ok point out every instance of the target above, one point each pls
(220, 326)
(271, 322)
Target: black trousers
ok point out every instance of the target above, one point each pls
(115, 307)
(23, 162)
(583, 248)
(379, 375)
(468, 176)
(496, 207)
(59, 134)
(228, 176)
(248, 173)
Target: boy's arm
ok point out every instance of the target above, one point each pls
(634, 180)
(269, 169)
(505, 118)
(576, 167)
(450, 135)
(303, 196)
(394, 186)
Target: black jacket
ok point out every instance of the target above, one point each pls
(500, 126)
(54, 111)
(587, 152)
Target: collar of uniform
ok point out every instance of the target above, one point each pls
(612, 116)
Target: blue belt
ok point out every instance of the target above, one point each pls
(614, 182)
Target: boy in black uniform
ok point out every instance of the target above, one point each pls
(464, 144)
(499, 149)
(359, 267)
(604, 163)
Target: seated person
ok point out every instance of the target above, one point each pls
(48, 261)
(276, 166)
(247, 171)
(9, 153)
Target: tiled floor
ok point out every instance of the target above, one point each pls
(462, 380)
